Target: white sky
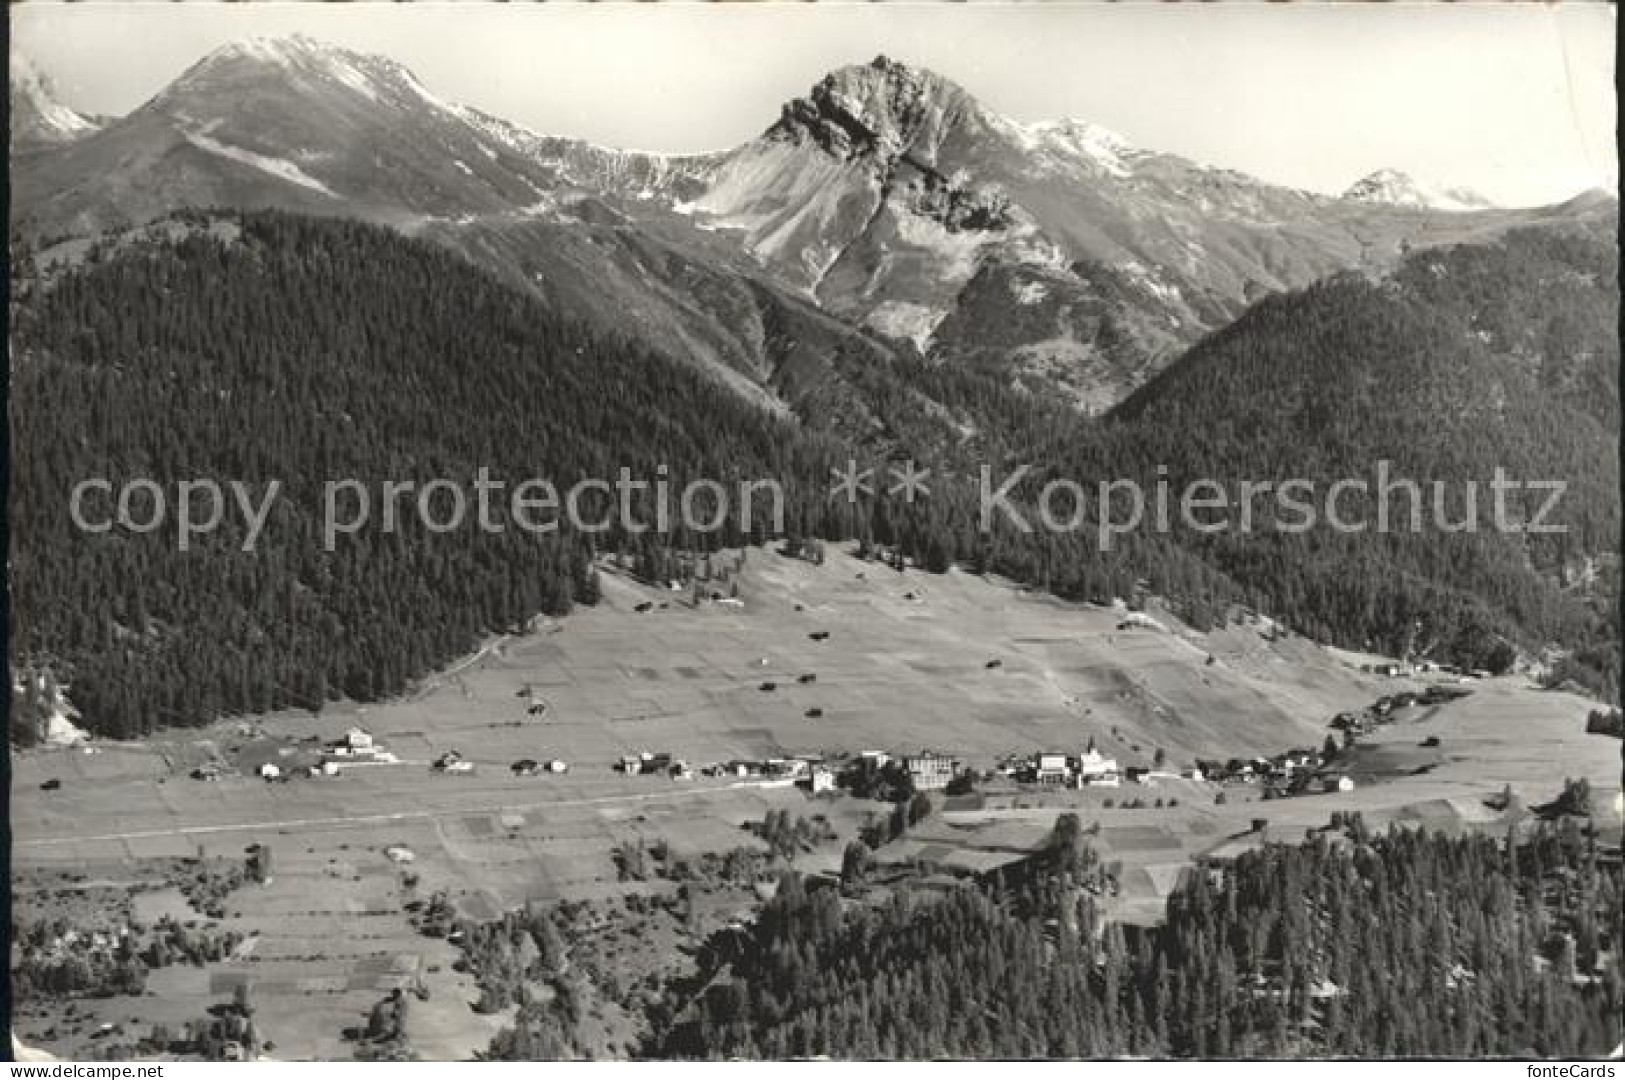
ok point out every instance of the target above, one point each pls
(1516, 100)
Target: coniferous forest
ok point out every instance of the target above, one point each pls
(1399, 945)
(307, 351)
(266, 346)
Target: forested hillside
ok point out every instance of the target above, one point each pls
(1468, 359)
(268, 347)
(303, 351)
(1402, 945)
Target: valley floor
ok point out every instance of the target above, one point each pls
(905, 667)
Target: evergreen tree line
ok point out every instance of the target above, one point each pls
(301, 352)
(1405, 944)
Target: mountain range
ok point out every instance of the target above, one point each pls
(890, 270)
(887, 207)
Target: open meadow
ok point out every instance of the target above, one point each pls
(971, 667)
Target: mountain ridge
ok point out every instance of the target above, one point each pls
(1052, 255)
(38, 118)
(1397, 188)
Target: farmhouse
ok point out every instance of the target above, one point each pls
(452, 762)
(930, 771)
(646, 764)
(357, 747)
(1052, 769)
(822, 779)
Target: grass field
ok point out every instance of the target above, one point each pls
(905, 667)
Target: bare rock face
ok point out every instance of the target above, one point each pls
(884, 109)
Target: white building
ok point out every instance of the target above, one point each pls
(1052, 769)
(358, 739)
(1096, 768)
(822, 779)
(270, 771)
(929, 771)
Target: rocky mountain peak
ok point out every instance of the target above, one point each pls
(883, 108)
(38, 117)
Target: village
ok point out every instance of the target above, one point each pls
(1295, 771)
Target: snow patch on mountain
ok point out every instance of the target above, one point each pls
(280, 168)
(1062, 145)
(353, 77)
(1392, 187)
(36, 113)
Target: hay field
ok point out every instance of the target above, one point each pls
(905, 666)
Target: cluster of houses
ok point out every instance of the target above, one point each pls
(809, 771)
(1299, 771)
(531, 767)
(357, 747)
(1400, 669)
(655, 764)
(1292, 772)
(1051, 769)
(1305, 771)
(1369, 719)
